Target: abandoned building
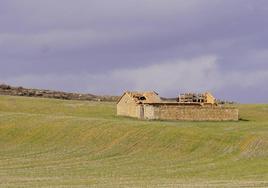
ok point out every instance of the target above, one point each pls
(188, 106)
(202, 98)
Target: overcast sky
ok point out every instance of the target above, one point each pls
(106, 47)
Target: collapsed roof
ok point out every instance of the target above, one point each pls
(152, 97)
(144, 97)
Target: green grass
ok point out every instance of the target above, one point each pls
(55, 143)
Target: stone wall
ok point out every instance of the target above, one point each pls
(127, 107)
(190, 113)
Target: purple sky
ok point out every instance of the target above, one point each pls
(106, 47)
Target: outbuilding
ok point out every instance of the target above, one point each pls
(132, 103)
(188, 107)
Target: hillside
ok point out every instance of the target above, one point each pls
(65, 143)
(44, 93)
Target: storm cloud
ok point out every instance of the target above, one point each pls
(106, 47)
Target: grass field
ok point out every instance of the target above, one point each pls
(55, 143)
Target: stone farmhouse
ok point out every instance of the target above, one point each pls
(188, 107)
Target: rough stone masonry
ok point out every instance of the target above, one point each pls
(148, 105)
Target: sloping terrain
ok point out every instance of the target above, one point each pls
(57, 143)
(21, 91)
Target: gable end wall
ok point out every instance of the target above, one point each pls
(127, 107)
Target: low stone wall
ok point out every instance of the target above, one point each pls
(190, 113)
